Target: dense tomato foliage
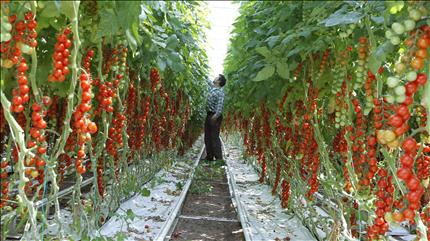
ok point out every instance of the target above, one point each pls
(94, 89)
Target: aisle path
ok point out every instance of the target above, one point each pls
(208, 212)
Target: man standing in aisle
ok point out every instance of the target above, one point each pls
(214, 108)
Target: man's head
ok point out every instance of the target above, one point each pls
(220, 80)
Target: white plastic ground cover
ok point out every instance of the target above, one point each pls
(265, 220)
(262, 225)
(152, 212)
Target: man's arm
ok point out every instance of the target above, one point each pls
(220, 103)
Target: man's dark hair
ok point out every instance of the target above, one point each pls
(222, 80)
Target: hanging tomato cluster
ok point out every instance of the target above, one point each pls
(61, 57)
(4, 165)
(375, 119)
(83, 126)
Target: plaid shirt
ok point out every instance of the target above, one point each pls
(215, 101)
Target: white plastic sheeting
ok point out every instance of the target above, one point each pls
(265, 219)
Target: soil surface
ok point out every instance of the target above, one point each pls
(208, 212)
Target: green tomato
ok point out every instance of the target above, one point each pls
(349, 31)
(400, 98)
(400, 67)
(392, 81)
(415, 14)
(26, 49)
(390, 99)
(5, 37)
(337, 126)
(409, 24)
(6, 26)
(400, 90)
(395, 40)
(389, 34)
(398, 28)
(423, 10)
(411, 76)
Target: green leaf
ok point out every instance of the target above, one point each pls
(263, 51)
(127, 13)
(287, 39)
(395, 6)
(172, 41)
(161, 64)
(145, 192)
(131, 40)
(130, 214)
(272, 40)
(66, 7)
(49, 11)
(108, 25)
(265, 73)
(120, 236)
(379, 55)
(283, 70)
(374, 64)
(341, 18)
(135, 31)
(159, 41)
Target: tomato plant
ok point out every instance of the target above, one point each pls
(93, 89)
(345, 101)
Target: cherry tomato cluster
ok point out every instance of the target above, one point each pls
(384, 204)
(368, 87)
(84, 127)
(132, 114)
(342, 58)
(61, 57)
(64, 162)
(323, 63)
(422, 43)
(155, 79)
(4, 183)
(423, 164)
(38, 141)
(357, 139)
(341, 108)
(285, 196)
(21, 94)
(407, 174)
(24, 35)
(115, 140)
(362, 60)
(100, 184)
(105, 96)
(277, 178)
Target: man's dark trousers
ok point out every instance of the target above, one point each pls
(212, 139)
